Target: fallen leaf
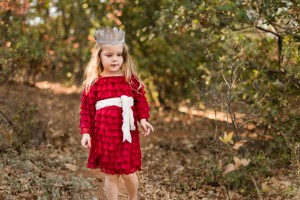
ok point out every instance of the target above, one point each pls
(179, 169)
(58, 185)
(229, 168)
(71, 167)
(25, 195)
(239, 144)
(245, 162)
(227, 138)
(241, 162)
(237, 162)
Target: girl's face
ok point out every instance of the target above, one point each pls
(111, 58)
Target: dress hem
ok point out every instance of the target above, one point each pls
(98, 167)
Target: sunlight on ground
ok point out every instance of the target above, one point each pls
(57, 88)
(210, 114)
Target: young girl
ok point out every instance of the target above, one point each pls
(112, 102)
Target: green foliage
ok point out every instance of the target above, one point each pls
(238, 180)
(175, 40)
(23, 54)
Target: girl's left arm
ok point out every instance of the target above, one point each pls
(142, 108)
(147, 127)
(140, 101)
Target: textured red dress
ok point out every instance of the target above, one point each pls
(108, 152)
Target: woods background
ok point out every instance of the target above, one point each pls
(237, 59)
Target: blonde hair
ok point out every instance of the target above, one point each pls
(94, 68)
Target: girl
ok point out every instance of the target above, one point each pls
(112, 102)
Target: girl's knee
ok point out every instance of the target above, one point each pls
(111, 178)
(129, 176)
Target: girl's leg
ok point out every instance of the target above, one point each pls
(111, 186)
(131, 183)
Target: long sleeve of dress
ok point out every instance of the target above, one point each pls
(87, 113)
(140, 101)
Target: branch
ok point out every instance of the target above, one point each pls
(225, 80)
(242, 124)
(240, 29)
(257, 189)
(6, 119)
(265, 30)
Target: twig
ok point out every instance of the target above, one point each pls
(225, 80)
(266, 30)
(229, 95)
(242, 124)
(216, 124)
(242, 28)
(259, 195)
(6, 119)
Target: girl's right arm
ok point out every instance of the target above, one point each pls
(86, 140)
(87, 113)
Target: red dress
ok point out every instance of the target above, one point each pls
(107, 151)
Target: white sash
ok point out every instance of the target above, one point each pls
(125, 103)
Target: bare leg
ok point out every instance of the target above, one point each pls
(111, 186)
(132, 183)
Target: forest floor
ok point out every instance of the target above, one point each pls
(182, 159)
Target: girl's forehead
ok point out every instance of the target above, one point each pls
(112, 48)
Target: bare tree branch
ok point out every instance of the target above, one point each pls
(265, 30)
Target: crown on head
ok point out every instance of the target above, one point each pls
(108, 36)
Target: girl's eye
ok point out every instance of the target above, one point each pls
(120, 54)
(109, 55)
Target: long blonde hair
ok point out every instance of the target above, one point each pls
(94, 68)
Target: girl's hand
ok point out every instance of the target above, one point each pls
(147, 127)
(86, 140)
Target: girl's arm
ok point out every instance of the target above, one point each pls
(140, 101)
(86, 140)
(142, 108)
(87, 114)
(147, 127)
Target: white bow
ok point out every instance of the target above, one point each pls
(128, 120)
(125, 103)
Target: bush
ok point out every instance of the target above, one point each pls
(27, 129)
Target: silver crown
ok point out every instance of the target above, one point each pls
(109, 36)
